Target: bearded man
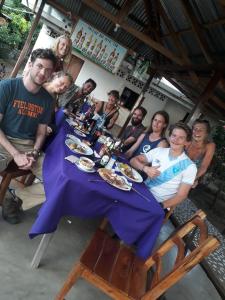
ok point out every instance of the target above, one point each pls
(133, 131)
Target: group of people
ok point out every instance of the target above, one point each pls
(174, 166)
(27, 107)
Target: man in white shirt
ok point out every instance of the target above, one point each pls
(171, 173)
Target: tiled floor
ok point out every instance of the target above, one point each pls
(18, 281)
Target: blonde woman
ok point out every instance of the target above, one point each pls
(201, 150)
(62, 49)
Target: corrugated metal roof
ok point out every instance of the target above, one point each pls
(176, 15)
(72, 6)
(205, 11)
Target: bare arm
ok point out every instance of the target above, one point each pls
(98, 106)
(20, 158)
(134, 147)
(210, 150)
(113, 120)
(163, 144)
(181, 194)
(40, 136)
(129, 140)
(140, 163)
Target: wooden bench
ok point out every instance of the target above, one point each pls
(10, 173)
(117, 271)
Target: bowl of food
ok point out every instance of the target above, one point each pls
(86, 163)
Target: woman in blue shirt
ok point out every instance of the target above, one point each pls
(154, 137)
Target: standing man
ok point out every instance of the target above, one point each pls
(25, 111)
(172, 173)
(73, 99)
(133, 131)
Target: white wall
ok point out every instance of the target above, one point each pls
(107, 81)
(175, 111)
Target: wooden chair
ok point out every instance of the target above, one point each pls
(169, 213)
(116, 270)
(10, 173)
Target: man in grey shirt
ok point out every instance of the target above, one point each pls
(133, 131)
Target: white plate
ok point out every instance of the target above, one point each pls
(137, 177)
(73, 138)
(80, 167)
(78, 132)
(83, 161)
(72, 123)
(88, 150)
(126, 186)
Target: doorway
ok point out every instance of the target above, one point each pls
(75, 66)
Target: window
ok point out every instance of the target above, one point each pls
(128, 98)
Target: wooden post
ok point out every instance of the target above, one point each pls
(139, 100)
(28, 41)
(208, 92)
(1, 4)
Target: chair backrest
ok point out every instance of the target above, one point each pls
(184, 261)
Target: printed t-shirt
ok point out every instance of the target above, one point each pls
(22, 110)
(174, 171)
(146, 145)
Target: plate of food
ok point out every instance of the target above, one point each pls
(129, 172)
(80, 128)
(72, 122)
(73, 138)
(78, 147)
(86, 164)
(114, 179)
(80, 133)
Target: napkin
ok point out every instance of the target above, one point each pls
(73, 159)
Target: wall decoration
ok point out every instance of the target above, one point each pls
(97, 47)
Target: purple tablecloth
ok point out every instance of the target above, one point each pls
(69, 193)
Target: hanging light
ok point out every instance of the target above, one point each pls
(117, 26)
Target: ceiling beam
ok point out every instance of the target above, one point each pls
(218, 101)
(209, 89)
(60, 8)
(205, 95)
(213, 110)
(196, 29)
(139, 35)
(194, 67)
(217, 22)
(182, 89)
(124, 10)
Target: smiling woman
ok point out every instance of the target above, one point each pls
(62, 49)
(200, 150)
(60, 83)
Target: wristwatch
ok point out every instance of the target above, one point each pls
(36, 153)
